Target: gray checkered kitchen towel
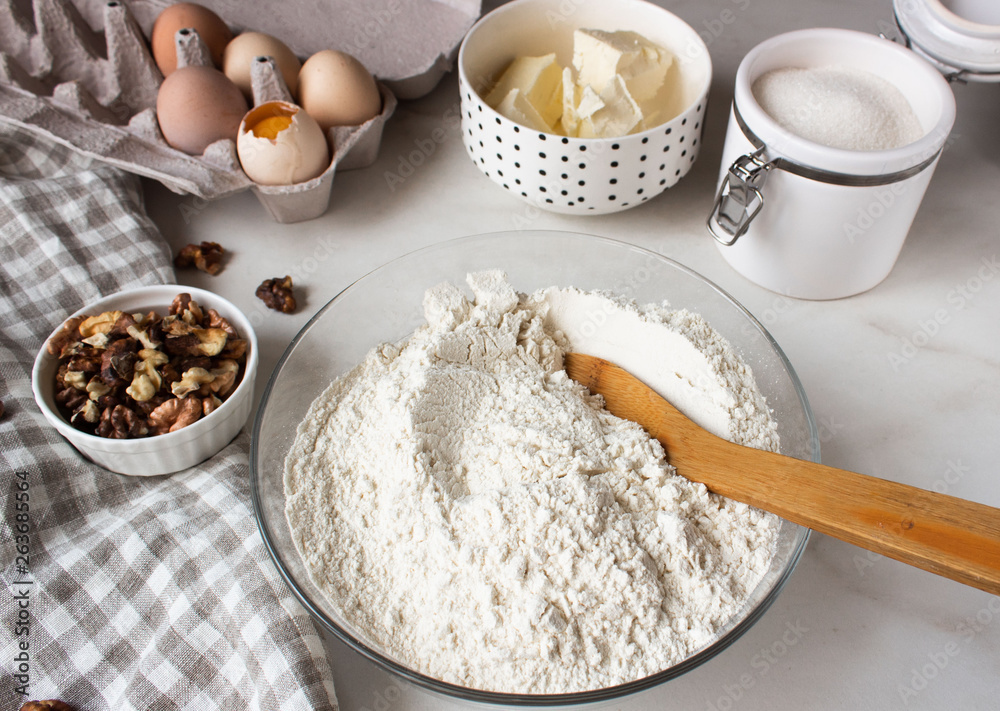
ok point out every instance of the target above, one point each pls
(120, 592)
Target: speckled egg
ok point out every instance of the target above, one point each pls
(197, 106)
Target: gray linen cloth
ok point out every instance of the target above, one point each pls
(121, 592)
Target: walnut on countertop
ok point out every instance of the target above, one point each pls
(136, 375)
(277, 294)
(206, 256)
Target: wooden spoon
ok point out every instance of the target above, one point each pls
(943, 534)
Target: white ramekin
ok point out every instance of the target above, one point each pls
(166, 453)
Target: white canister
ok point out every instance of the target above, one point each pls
(815, 222)
(959, 37)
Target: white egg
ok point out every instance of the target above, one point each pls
(280, 144)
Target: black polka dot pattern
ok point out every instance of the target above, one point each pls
(578, 176)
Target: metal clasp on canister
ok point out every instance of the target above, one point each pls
(739, 199)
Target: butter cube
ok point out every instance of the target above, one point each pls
(618, 87)
(600, 56)
(579, 103)
(619, 114)
(538, 81)
(518, 109)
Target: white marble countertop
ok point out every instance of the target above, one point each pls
(904, 380)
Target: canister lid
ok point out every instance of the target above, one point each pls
(960, 37)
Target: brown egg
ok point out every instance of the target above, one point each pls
(197, 106)
(246, 47)
(210, 27)
(337, 90)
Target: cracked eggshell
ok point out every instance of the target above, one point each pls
(280, 144)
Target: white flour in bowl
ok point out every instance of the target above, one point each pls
(479, 517)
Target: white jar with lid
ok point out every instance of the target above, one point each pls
(811, 221)
(959, 37)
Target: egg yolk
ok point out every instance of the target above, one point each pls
(271, 126)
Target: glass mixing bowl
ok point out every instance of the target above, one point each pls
(386, 306)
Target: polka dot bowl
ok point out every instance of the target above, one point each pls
(580, 176)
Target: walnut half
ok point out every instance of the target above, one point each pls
(206, 256)
(175, 414)
(277, 294)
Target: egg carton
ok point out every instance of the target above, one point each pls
(82, 75)
(407, 44)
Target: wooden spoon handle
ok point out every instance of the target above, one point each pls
(943, 534)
